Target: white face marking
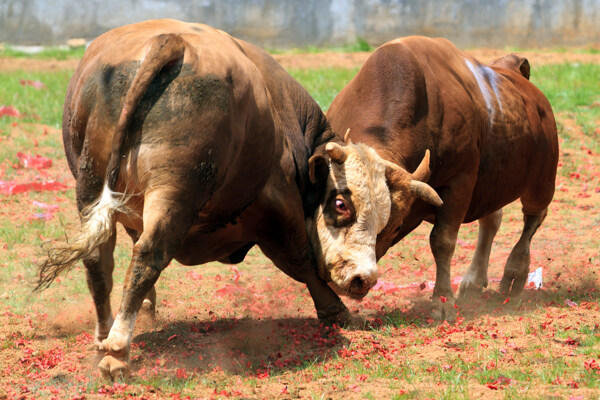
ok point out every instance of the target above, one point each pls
(348, 250)
(486, 79)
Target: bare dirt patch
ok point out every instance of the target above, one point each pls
(329, 59)
(355, 60)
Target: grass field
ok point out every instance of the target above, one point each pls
(248, 331)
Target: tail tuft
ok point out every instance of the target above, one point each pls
(98, 225)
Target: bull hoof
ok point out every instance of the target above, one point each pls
(443, 308)
(339, 314)
(114, 369)
(470, 288)
(148, 309)
(147, 314)
(512, 284)
(115, 364)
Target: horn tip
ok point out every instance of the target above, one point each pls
(347, 136)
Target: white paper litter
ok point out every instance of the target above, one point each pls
(536, 278)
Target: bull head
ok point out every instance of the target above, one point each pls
(354, 208)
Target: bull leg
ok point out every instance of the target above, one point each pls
(164, 233)
(476, 277)
(291, 251)
(298, 263)
(99, 268)
(442, 240)
(149, 304)
(517, 265)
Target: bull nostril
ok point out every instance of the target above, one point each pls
(358, 284)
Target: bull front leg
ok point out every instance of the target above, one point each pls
(285, 242)
(442, 240)
(296, 259)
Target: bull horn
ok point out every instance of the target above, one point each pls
(336, 152)
(422, 173)
(426, 193)
(391, 165)
(347, 139)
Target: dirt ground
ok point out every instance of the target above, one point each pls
(327, 59)
(248, 331)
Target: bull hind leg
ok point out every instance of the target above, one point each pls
(476, 277)
(517, 265)
(164, 233)
(149, 304)
(99, 266)
(99, 263)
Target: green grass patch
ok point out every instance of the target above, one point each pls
(46, 53)
(42, 105)
(323, 83)
(573, 89)
(360, 45)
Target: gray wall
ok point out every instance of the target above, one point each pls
(298, 23)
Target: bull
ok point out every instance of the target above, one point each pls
(492, 137)
(202, 146)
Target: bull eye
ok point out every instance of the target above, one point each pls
(340, 206)
(339, 211)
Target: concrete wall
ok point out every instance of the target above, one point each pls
(298, 23)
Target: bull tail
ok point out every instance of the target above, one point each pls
(99, 218)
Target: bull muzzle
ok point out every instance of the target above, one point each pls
(354, 284)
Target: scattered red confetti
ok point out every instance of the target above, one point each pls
(43, 186)
(591, 364)
(9, 111)
(443, 299)
(36, 84)
(37, 161)
(262, 375)
(48, 215)
(572, 384)
(354, 388)
(570, 303)
(506, 300)
(386, 287)
(230, 289)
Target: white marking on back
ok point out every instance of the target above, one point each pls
(486, 79)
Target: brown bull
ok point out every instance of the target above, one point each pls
(492, 138)
(202, 146)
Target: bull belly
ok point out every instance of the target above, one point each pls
(483, 203)
(219, 245)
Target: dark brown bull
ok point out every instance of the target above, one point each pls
(202, 146)
(492, 138)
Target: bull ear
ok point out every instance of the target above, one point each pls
(317, 169)
(426, 193)
(524, 67)
(337, 153)
(422, 173)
